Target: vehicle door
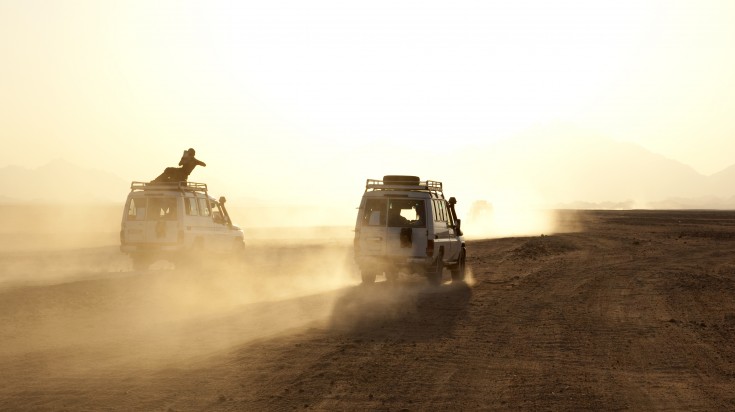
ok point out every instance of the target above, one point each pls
(203, 229)
(222, 236)
(444, 235)
(162, 220)
(134, 223)
(197, 219)
(455, 244)
(406, 231)
(371, 225)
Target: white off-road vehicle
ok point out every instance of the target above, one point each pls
(406, 225)
(178, 222)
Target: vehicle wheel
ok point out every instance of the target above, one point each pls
(391, 277)
(434, 273)
(368, 278)
(141, 262)
(459, 270)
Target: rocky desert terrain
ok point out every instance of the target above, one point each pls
(625, 310)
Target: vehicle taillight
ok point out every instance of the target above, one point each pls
(430, 247)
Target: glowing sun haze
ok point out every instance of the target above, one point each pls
(282, 89)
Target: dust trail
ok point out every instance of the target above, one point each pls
(163, 316)
(67, 309)
(24, 268)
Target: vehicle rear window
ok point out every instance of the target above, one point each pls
(374, 214)
(406, 213)
(161, 208)
(136, 208)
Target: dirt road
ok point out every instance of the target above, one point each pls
(636, 310)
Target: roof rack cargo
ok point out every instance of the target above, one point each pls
(410, 183)
(182, 186)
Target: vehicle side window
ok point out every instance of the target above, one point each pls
(374, 214)
(204, 207)
(136, 208)
(191, 206)
(440, 210)
(217, 214)
(450, 219)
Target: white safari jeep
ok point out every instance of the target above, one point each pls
(177, 222)
(405, 225)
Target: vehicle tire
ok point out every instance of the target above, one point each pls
(391, 277)
(368, 278)
(459, 270)
(434, 273)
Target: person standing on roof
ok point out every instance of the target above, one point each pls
(180, 174)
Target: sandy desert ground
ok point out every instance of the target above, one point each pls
(634, 310)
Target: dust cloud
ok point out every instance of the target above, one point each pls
(514, 214)
(58, 226)
(35, 240)
(69, 296)
(139, 323)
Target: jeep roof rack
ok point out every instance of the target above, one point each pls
(427, 185)
(181, 186)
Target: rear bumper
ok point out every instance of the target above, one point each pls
(150, 248)
(392, 263)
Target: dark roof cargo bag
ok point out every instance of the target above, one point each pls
(401, 180)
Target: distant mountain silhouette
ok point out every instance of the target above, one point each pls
(557, 167)
(724, 181)
(574, 168)
(705, 202)
(60, 181)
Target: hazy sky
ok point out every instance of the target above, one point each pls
(284, 88)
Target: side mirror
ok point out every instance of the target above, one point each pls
(452, 201)
(222, 200)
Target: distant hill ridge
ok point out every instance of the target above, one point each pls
(60, 181)
(562, 169)
(589, 170)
